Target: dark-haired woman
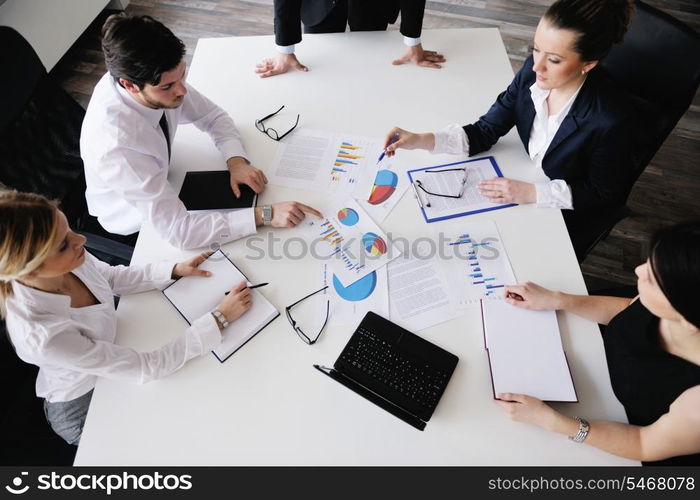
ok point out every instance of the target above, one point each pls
(574, 125)
(652, 345)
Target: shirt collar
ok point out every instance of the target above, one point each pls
(39, 300)
(152, 116)
(539, 96)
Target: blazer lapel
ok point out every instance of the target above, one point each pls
(581, 107)
(527, 120)
(567, 127)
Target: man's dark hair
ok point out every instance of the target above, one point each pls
(139, 49)
(599, 24)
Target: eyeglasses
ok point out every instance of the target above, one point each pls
(303, 336)
(443, 195)
(271, 132)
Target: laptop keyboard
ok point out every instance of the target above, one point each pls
(417, 380)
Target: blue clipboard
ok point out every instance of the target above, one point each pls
(470, 212)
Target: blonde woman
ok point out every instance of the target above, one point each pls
(57, 300)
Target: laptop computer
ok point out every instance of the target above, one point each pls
(395, 369)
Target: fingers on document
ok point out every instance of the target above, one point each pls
(310, 210)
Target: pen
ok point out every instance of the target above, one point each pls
(415, 192)
(392, 140)
(251, 287)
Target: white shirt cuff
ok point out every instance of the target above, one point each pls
(554, 194)
(411, 42)
(285, 49)
(207, 331)
(232, 148)
(241, 223)
(163, 273)
(451, 139)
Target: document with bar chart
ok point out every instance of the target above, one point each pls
(475, 262)
(334, 163)
(348, 239)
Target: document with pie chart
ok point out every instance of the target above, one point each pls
(348, 240)
(348, 303)
(341, 164)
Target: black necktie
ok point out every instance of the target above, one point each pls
(164, 126)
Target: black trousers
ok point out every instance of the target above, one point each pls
(360, 15)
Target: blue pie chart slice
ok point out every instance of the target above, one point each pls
(359, 290)
(348, 217)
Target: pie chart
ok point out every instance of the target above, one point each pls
(348, 217)
(373, 244)
(384, 186)
(359, 290)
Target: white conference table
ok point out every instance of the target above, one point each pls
(266, 405)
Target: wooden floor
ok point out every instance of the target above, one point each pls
(667, 192)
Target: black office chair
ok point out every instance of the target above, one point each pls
(658, 63)
(40, 143)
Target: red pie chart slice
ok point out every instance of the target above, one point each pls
(384, 186)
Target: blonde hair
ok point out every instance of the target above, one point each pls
(27, 233)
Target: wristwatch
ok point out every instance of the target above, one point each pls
(583, 428)
(267, 215)
(220, 318)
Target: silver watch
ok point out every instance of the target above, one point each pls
(583, 428)
(267, 215)
(220, 318)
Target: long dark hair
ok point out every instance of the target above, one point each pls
(674, 254)
(139, 49)
(598, 23)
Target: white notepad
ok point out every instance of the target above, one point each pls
(194, 296)
(525, 352)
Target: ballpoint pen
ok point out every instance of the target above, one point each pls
(392, 140)
(251, 287)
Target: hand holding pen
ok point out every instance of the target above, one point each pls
(399, 138)
(250, 287)
(235, 302)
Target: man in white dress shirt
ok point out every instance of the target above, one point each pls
(126, 139)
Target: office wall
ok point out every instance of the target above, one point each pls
(50, 26)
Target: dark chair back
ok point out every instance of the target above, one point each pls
(39, 130)
(40, 142)
(658, 63)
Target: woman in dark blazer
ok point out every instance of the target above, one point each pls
(574, 124)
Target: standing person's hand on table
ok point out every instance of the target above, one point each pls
(416, 55)
(279, 64)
